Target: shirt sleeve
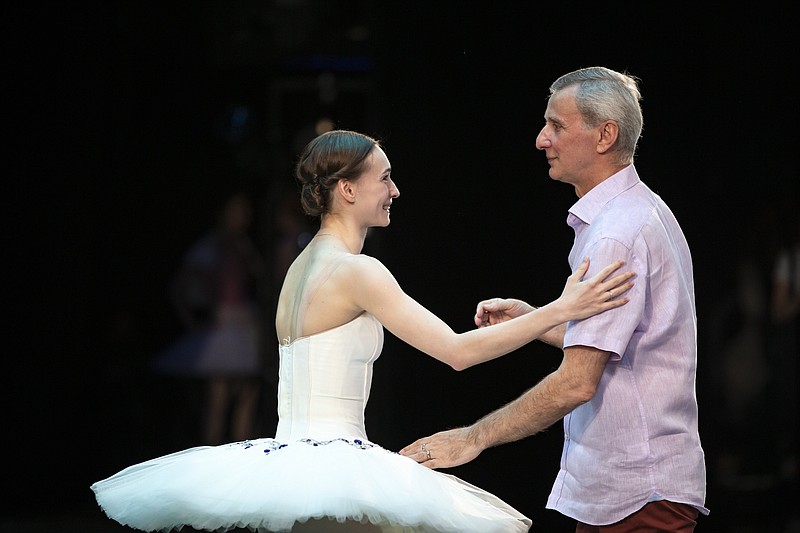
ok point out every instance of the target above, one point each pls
(612, 330)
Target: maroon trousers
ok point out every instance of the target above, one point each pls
(661, 516)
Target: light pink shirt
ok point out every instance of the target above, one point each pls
(637, 440)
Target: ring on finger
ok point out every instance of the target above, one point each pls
(426, 451)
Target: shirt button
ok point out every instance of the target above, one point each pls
(566, 437)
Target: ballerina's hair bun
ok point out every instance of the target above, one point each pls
(334, 155)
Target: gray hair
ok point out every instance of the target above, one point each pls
(604, 94)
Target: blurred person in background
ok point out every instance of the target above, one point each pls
(217, 294)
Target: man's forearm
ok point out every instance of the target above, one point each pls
(536, 410)
(555, 336)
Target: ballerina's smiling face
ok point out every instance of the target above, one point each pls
(375, 189)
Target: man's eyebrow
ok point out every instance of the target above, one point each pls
(553, 118)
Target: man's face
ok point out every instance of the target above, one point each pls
(569, 144)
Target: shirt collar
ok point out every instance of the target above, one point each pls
(589, 206)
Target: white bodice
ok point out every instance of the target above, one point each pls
(325, 380)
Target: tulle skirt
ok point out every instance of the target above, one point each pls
(268, 486)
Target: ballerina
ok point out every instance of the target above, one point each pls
(321, 470)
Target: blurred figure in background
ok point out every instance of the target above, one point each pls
(217, 294)
(783, 350)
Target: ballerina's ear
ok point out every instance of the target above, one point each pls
(346, 190)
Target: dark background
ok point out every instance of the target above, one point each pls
(123, 140)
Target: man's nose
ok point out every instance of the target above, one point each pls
(542, 141)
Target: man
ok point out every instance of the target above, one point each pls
(632, 458)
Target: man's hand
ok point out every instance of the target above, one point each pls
(497, 310)
(444, 449)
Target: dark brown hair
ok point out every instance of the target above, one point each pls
(334, 155)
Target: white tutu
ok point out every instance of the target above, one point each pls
(268, 486)
(320, 464)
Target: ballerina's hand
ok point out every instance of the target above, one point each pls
(585, 298)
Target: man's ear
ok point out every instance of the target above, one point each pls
(346, 190)
(607, 136)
